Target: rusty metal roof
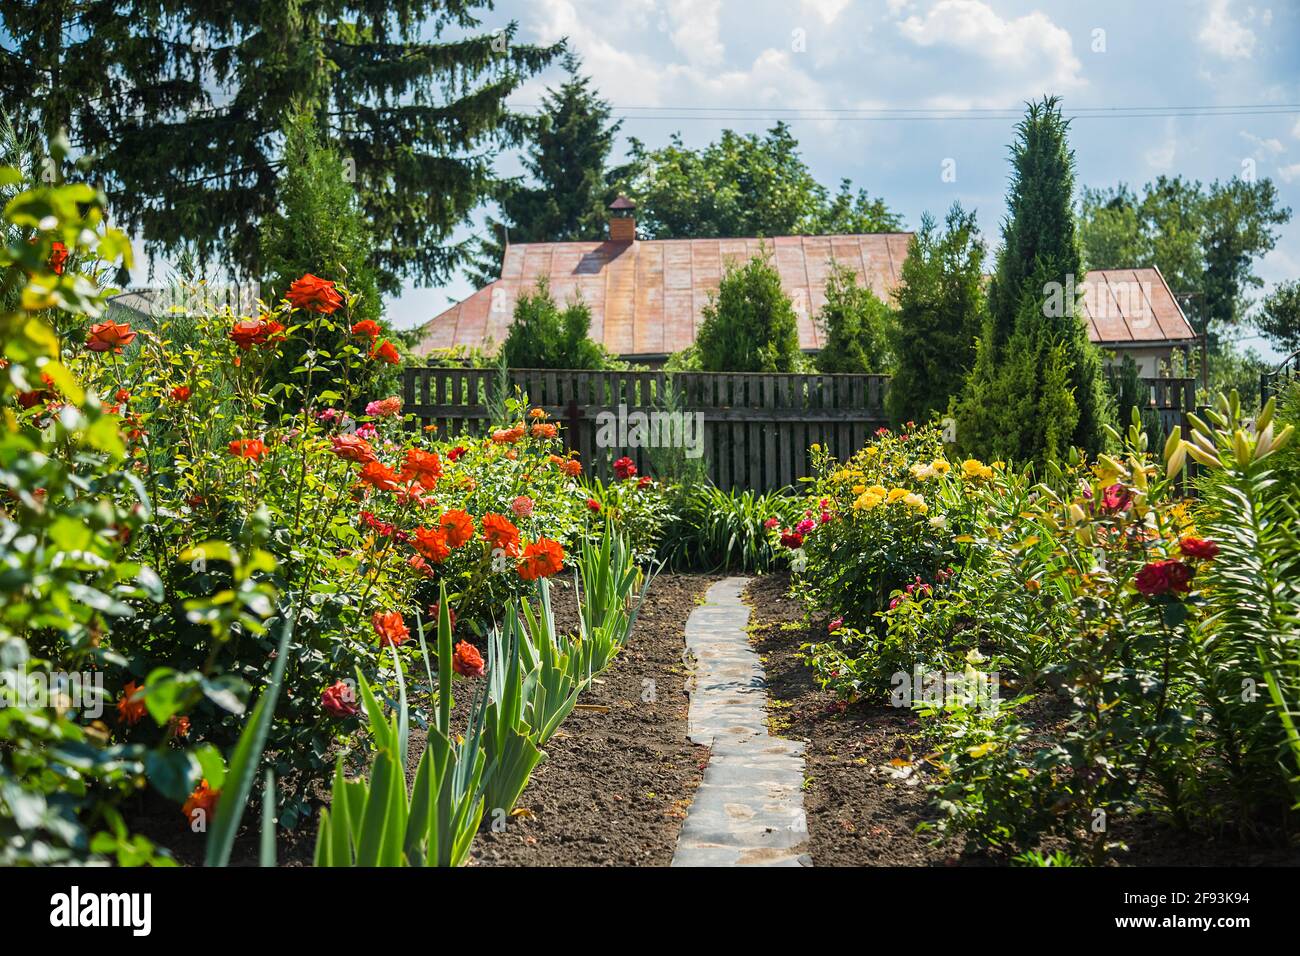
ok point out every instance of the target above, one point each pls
(646, 297)
(1133, 307)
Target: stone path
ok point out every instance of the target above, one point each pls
(748, 810)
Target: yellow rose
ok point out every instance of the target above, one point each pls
(866, 501)
(940, 466)
(859, 489)
(898, 494)
(973, 467)
(914, 500)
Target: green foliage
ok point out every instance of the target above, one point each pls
(715, 530)
(855, 324)
(180, 102)
(1133, 393)
(742, 185)
(1279, 316)
(1149, 640)
(567, 159)
(750, 325)
(72, 502)
(1204, 239)
(544, 336)
(1037, 386)
(318, 228)
(940, 308)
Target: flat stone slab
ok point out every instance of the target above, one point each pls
(748, 810)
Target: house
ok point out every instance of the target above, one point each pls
(647, 296)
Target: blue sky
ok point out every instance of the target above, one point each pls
(953, 54)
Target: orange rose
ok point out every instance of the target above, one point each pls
(390, 627)
(458, 526)
(252, 448)
(432, 543)
(314, 294)
(542, 559)
(367, 327)
(110, 335)
(58, 256)
(544, 430)
(572, 467)
(467, 661)
(203, 798)
(353, 448)
(387, 352)
(501, 533)
(130, 706)
(422, 466)
(379, 476)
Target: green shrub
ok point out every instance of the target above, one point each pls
(855, 324)
(545, 336)
(750, 325)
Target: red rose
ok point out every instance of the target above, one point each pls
(314, 294)
(1162, 577)
(339, 700)
(1198, 548)
(593, 505)
(110, 335)
(624, 468)
(791, 539)
(181, 393)
(467, 661)
(456, 453)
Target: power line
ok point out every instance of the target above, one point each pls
(922, 114)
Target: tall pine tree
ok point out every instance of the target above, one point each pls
(184, 104)
(571, 184)
(1037, 387)
(941, 306)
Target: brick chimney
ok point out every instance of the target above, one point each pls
(622, 221)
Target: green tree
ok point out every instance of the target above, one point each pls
(1279, 316)
(855, 323)
(318, 228)
(1204, 239)
(543, 335)
(742, 185)
(940, 310)
(1037, 387)
(184, 103)
(750, 325)
(568, 164)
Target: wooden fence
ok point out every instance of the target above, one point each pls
(750, 430)
(755, 429)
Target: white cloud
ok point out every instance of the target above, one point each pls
(1225, 36)
(694, 26)
(1270, 145)
(1032, 50)
(1295, 130)
(828, 11)
(1289, 173)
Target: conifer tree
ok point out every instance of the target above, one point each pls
(571, 182)
(1037, 387)
(940, 309)
(750, 325)
(855, 323)
(184, 104)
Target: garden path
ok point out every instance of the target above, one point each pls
(748, 810)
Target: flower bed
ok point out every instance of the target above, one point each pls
(194, 527)
(1081, 650)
